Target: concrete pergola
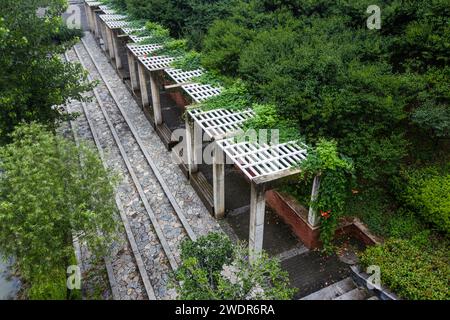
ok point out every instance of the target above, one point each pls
(90, 7)
(260, 163)
(133, 53)
(112, 23)
(149, 66)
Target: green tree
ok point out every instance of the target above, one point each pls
(214, 269)
(34, 79)
(46, 195)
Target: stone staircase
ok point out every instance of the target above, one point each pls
(345, 289)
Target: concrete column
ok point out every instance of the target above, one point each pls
(219, 182)
(143, 85)
(116, 50)
(197, 147)
(313, 217)
(109, 39)
(133, 75)
(96, 27)
(190, 146)
(88, 16)
(257, 213)
(156, 99)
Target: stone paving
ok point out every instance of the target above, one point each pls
(125, 271)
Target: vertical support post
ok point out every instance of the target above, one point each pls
(257, 213)
(197, 147)
(156, 99)
(313, 217)
(87, 9)
(218, 182)
(143, 85)
(103, 35)
(96, 26)
(109, 39)
(132, 67)
(189, 145)
(116, 50)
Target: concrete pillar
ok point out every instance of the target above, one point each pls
(197, 147)
(313, 217)
(133, 75)
(189, 146)
(143, 85)
(156, 99)
(257, 213)
(109, 39)
(96, 27)
(116, 50)
(88, 16)
(219, 182)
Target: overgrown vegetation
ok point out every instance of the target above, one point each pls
(214, 269)
(414, 271)
(372, 104)
(46, 195)
(314, 71)
(34, 79)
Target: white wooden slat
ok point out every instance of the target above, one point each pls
(112, 17)
(201, 92)
(143, 50)
(259, 162)
(130, 30)
(263, 162)
(116, 24)
(93, 3)
(156, 63)
(180, 76)
(220, 122)
(138, 39)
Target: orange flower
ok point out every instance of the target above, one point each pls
(325, 214)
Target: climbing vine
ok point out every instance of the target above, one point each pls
(336, 175)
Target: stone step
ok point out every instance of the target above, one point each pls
(373, 298)
(333, 291)
(355, 294)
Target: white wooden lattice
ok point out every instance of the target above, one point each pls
(264, 163)
(220, 123)
(112, 17)
(104, 8)
(156, 63)
(93, 3)
(180, 76)
(116, 24)
(143, 50)
(137, 39)
(201, 92)
(129, 31)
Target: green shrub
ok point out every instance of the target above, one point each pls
(410, 270)
(214, 269)
(427, 192)
(50, 286)
(234, 97)
(211, 252)
(46, 195)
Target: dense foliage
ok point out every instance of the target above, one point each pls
(184, 18)
(413, 271)
(335, 173)
(49, 190)
(33, 79)
(427, 192)
(314, 71)
(215, 269)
